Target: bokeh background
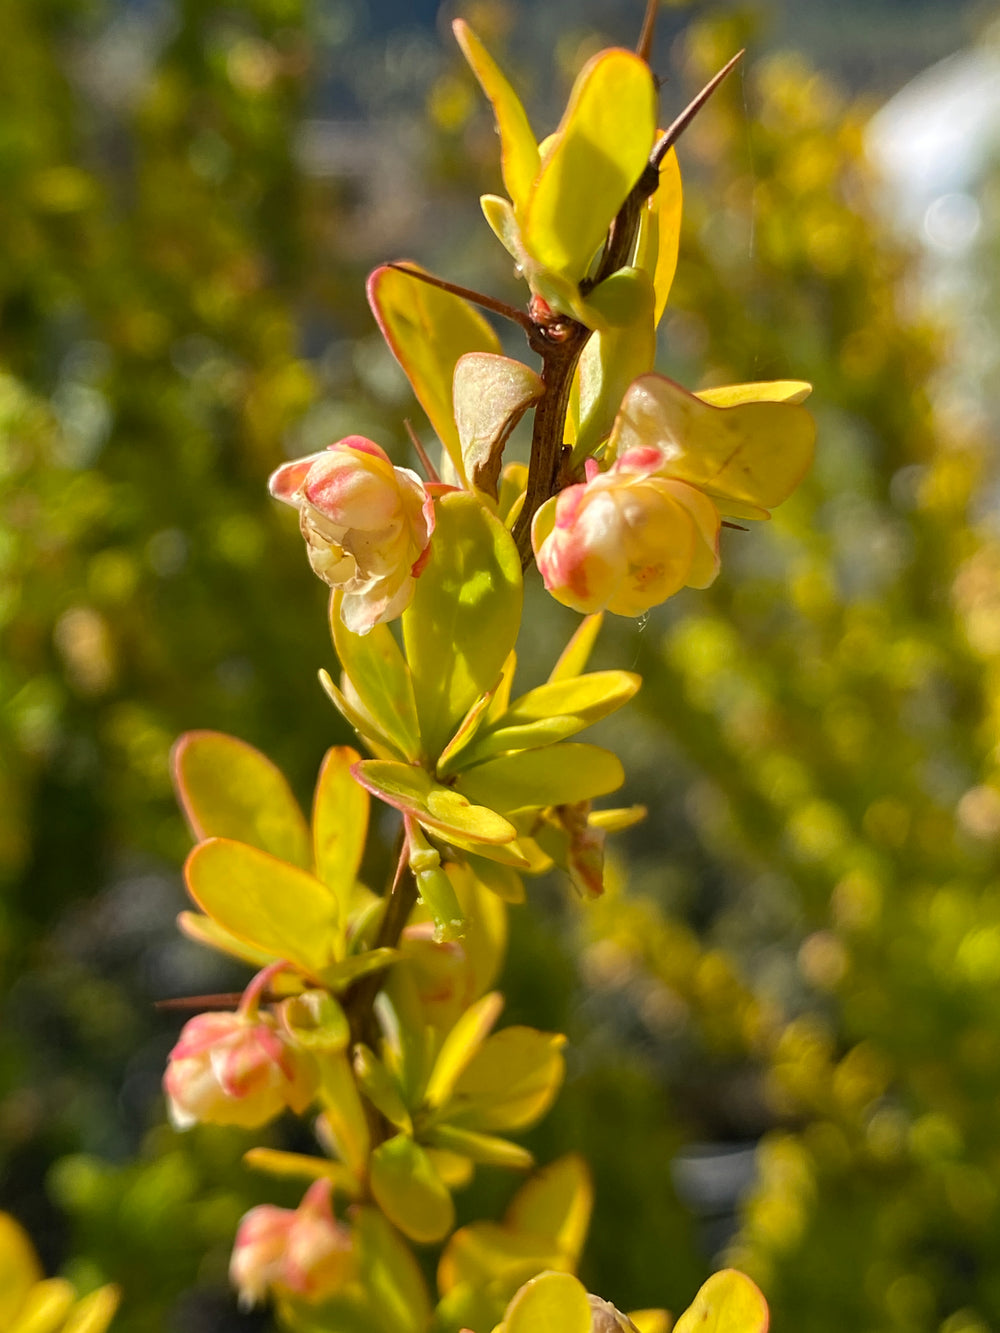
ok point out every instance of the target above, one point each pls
(785, 1015)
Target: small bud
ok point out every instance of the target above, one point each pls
(235, 1069)
(367, 526)
(305, 1252)
(626, 539)
(605, 1318)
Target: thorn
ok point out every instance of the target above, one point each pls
(224, 1000)
(645, 43)
(425, 462)
(736, 527)
(670, 136)
(477, 298)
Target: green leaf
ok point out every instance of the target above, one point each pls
(228, 789)
(511, 1080)
(427, 330)
(552, 712)
(598, 153)
(450, 758)
(339, 976)
(381, 1088)
(557, 1203)
(555, 1302)
(486, 1149)
(460, 1047)
(491, 394)
(274, 906)
(464, 616)
(555, 775)
(390, 1276)
(748, 457)
(378, 671)
(409, 1191)
(355, 715)
(728, 1303)
(443, 809)
(519, 151)
(339, 822)
(343, 1123)
(487, 1256)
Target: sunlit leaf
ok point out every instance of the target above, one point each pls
(575, 656)
(460, 1047)
(95, 1312)
(486, 938)
(204, 930)
(379, 674)
(45, 1308)
(450, 757)
(409, 1191)
(302, 1166)
(380, 1088)
(748, 457)
(511, 1080)
(597, 155)
(315, 1021)
(356, 716)
(556, 1202)
(427, 330)
(519, 151)
(343, 1126)
(268, 903)
(486, 1149)
(339, 976)
(766, 391)
(339, 821)
(455, 1170)
(503, 881)
(491, 394)
(228, 789)
(415, 792)
(390, 1276)
(613, 821)
(554, 711)
(486, 1254)
(469, 598)
(660, 233)
(19, 1268)
(652, 1321)
(556, 775)
(728, 1303)
(555, 1302)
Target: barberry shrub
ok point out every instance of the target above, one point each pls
(375, 1015)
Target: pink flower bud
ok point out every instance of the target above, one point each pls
(235, 1069)
(626, 539)
(367, 526)
(305, 1253)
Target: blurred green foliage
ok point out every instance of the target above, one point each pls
(807, 952)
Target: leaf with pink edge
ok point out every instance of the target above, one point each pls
(228, 789)
(727, 1303)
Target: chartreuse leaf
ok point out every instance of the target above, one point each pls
(511, 1080)
(485, 1254)
(450, 758)
(557, 1203)
(660, 233)
(485, 940)
(409, 1191)
(339, 821)
(415, 792)
(503, 881)
(611, 360)
(454, 1170)
(302, 1166)
(203, 930)
(427, 330)
(491, 394)
(518, 150)
(228, 789)
(274, 906)
(552, 712)
(728, 1303)
(486, 1149)
(748, 457)
(768, 391)
(19, 1268)
(651, 1321)
(390, 1276)
(574, 657)
(381, 1088)
(469, 599)
(596, 156)
(316, 1021)
(556, 775)
(460, 1047)
(338, 976)
(356, 715)
(343, 1124)
(405, 1049)
(94, 1313)
(560, 292)
(45, 1307)
(378, 671)
(555, 1302)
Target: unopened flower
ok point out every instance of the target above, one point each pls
(236, 1069)
(626, 539)
(367, 526)
(303, 1252)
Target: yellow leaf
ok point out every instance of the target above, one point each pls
(598, 153)
(427, 330)
(660, 233)
(19, 1268)
(557, 1203)
(651, 1321)
(45, 1307)
(555, 1302)
(203, 930)
(301, 1166)
(343, 1126)
(274, 906)
(510, 1081)
(381, 679)
(519, 151)
(561, 774)
(228, 789)
(414, 791)
(339, 822)
(728, 1303)
(486, 1149)
(575, 656)
(768, 391)
(460, 1047)
(748, 457)
(409, 1190)
(94, 1313)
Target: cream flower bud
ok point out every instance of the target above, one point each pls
(626, 539)
(235, 1069)
(305, 1252)
(367, 526)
